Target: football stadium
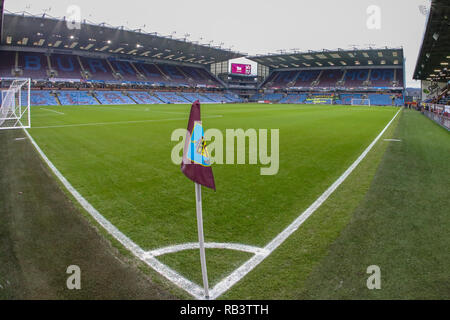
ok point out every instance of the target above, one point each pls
(308, 173)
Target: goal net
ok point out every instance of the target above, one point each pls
(15, 110)
(360, 102)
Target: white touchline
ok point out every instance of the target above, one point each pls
(196, 291)
(52, 111)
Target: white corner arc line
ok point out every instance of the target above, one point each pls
(192, 288)
(248, 266)
(208, 245)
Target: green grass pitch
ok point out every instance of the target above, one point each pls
(119, 159)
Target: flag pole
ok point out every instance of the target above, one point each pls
(201, 240)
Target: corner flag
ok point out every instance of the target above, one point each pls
(196, 166)
(196, 163)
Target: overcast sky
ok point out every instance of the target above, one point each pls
(261, 26)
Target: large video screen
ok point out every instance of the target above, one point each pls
(237, 68)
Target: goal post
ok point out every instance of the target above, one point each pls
(361, 102)
(15, 111)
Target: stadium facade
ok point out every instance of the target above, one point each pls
(337, 76)
(432, 68)
(85, 63)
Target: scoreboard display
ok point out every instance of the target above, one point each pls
(245, 69)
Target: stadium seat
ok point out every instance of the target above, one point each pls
(380, 99)
(381, 78)
(306, 78)
(126, 70)
(98, 69)
(33, 65)
(267, 97)
(355, 78)
(151, 72)
(6, 63)
(232, 97)
(76, 98)
(171, 97)
(329, 78)
(39, 98)
(294, 98)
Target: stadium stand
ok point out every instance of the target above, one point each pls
(231, 97)
(191, 97)
(335, 77)
(7, 63)
(282, 79)
(306, 78)
(445, 100)
(71, 67)
(69, 98)
(215, 97)
(200, 76)
(355, 78)
(125, 70)
(329, 78)
(273, 97)
(97, 69)
(380, 99)
(294, 98)
(399, 77)
(171, 97)
(151, 73)
(33, 65)
(113, 97)
(174, 74)
(381, 77)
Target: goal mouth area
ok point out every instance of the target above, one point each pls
(15, 111)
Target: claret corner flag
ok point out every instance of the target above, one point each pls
(196, 166)
(196, 163)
